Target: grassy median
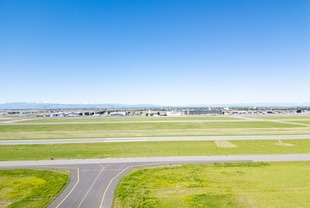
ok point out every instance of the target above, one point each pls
(27, 188)
(230, 185)
(282, 117)
(146, 149)
(148, 129)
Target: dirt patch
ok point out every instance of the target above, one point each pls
(280, 143)
(224, 144)
(5, 200)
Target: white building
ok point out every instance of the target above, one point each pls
(117, 114)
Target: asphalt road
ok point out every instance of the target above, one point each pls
(142, 139)
(93, 181)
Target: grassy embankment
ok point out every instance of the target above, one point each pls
(148, 129)
(30, 188)
(234, 185)
(146, 149)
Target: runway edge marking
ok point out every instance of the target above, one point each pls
(78, 181)
(105, 192)
(102, 168)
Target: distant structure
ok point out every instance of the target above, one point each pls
(117, 114)
(206, 112)
(174, 113)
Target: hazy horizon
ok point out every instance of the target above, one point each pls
(258, 104)
(172, 52)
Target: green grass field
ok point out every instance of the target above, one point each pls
(25, 188)
(182, 186)
(143, 126)
(302, 122)
(281, 117)
(229, 185)
(147, 149)
(150, 129)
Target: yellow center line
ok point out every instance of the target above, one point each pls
(78, 180)
(102, 168)
(105, 192)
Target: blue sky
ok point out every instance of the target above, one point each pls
(170, 52)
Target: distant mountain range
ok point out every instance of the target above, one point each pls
(262, 105)
(34, 105)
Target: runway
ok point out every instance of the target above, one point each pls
(148, 139)
(93, 181)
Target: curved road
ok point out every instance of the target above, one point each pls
(93, 181)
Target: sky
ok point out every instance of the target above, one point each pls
(167, 52)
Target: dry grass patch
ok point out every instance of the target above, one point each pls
(224, 144)
(280, 143)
